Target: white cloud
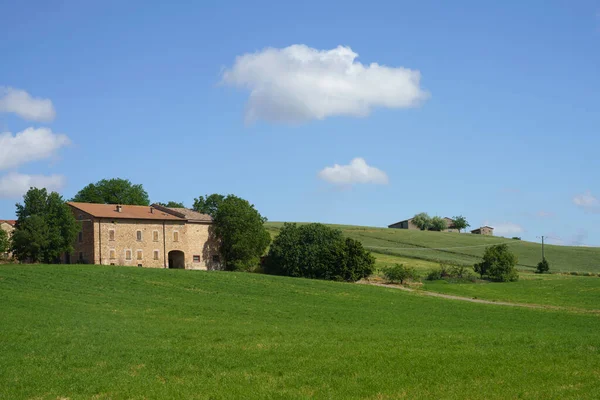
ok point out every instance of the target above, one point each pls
(587, 201)
(299, 83)
(506, 228)
(15, 185)
(544, 214)
(21, 103)
(32, 144)
(356, 172)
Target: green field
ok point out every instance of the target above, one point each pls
(83, 332)
(465, 249)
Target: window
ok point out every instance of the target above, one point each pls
(111, 235)
(80, 217)
(155, 236)
(139, 236)
(128, 254)
(112, 263)
(139, 265)
(196, 258)
(80, 237)
(80, 256)
(112, 254)
(156, 254)
(139, 254)
(176, 236)
(215, 258)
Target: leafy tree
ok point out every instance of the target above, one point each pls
(460, 223)
(45, 227)
(208, 204)
(422, 221)
(242, 235)
(172, 204)
(399, 273)
(317, 251)
(498, 264)
(438, 224)
(543, 266)
(113, 191)
(4, 242)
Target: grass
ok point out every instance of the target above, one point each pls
(84, 332)
(553, 290)
(464, 249)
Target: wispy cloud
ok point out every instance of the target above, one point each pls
(587, 201)
(15, 185)
(545, 214)
(358, 171)
(25, 106)
(506, 228)
(299, 83)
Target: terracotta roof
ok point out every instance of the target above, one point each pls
(190, 215)
(12, 222)
(127, 211)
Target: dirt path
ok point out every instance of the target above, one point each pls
(472, 300)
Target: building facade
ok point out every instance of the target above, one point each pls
(484, 230)
(7, 225)
(143, 236)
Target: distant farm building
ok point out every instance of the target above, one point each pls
(408, 224)
(7, 225)
(484, 230)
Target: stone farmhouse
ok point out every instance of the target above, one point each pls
(408, 224)
(484, 230)
(144, 236)
(7, 225)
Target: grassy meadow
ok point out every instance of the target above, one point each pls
(83, 332)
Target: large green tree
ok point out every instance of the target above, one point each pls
(113, 191)
(208, 204)
(172, 204)
(460, 223)
(240, 230)
(45, 229)
(4, 242)
(422, 221)
(317, 251)
(498, 263)
(438, 224)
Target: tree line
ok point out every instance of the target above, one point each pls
(424, 222)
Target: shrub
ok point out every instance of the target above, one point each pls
(543, 266)
(498, 264)
(317, 251)
(399, 273)
(516, 238)
(438, 224)
(434, 275)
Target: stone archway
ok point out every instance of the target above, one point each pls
(176, 259)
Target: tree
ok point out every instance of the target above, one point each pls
(399, 273)
(317, 251)
(498, 264)
(242, 235)
(208, 204)
(422, 221)
(45, 228)
(4, 242)
(543, 266)
(171, 204)
(460, 223)
(113, 191)
(438, 224)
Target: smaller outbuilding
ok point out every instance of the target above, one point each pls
(484, 230)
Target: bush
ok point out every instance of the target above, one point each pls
(317, 251)
(438, 224)
(399, 273)
(457, 273)
(516, 238)
(543, 266)
(498, 264)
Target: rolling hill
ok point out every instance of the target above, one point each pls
(463, 249)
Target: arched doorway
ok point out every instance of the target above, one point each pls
(176, 259)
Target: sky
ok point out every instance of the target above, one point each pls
(361, 113)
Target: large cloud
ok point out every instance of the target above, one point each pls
(299, 83)
(587, 201)
(15, 185)
(358, 171)
(21, 103)
(32, 144)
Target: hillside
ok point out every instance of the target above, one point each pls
(465, 249)
(82, 332)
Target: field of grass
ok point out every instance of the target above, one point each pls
(465, 249)
(83, 332)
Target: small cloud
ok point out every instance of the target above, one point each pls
(32, 144)
(299, 83)
(21, 103)
(15, 185)
(578, 239)
(506, 228)
(587, 202)
(544, 214)
(358, 171)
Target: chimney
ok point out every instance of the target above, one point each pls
(119, 208)
(151, 210)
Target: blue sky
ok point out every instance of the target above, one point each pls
(491, 111)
